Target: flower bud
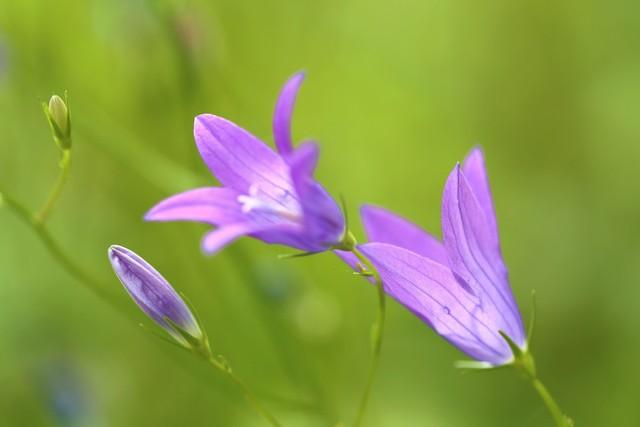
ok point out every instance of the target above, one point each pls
(57, 113)
(155, 296)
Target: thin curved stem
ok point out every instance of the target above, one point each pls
(559, 417)
(56, 190)
(54, 248)
(246, 391)
(377, 334)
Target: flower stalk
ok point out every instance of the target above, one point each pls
(225, 368)
(523, 361)
(367, 269)
(559, 417)
(56, 190)
(56, 251)
(57, 114)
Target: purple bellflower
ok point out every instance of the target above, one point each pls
(271, 196)
(155, 296)
(458, 286)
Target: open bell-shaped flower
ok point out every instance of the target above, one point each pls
(458, 286)
(271, 196)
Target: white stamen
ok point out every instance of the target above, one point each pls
(253, 202)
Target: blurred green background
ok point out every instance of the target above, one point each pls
(396, 92)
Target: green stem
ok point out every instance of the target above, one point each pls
(56, 190)
(248, 394)
(56, 250)
(378, 329)
(524, 361)
(558, 416)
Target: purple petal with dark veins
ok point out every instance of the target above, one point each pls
(430, 291)
(238, 159)
(284, 112)
(322, 217)
(475, 171)
(152, 293)
(211, 205)
(385, 226)
(470, 245)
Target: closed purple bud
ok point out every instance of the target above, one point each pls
(155, 296)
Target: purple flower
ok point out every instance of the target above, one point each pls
(154, 295)
(459, 286)
(270, 196)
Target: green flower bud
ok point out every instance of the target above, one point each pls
(57, 112)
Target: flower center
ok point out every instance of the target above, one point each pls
(282, 207)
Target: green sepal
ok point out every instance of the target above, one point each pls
(532, 320)
(345, 211)
(199, 346)
(194, 312)
(477, 366)
(298, 255)
(224, 363)
(173, 342)
(523, 359)
(517, 351)
(363, 273)
(348, 242)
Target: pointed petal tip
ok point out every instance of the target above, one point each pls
(284, 111)
(200, 119)
(298, 76)
(368, 208)
(216, 239)
(115, 251)
(476, 150)
(452, 179)
(154, 213)
(475, 155)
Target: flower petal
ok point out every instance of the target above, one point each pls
(385, 226)
(215, 240)
(471, 248)
(304, 159)
(238, 159)
(322, 217)
(349, 258)
(212, 205)
(283, 113)
(475, 171)
(430, 291)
